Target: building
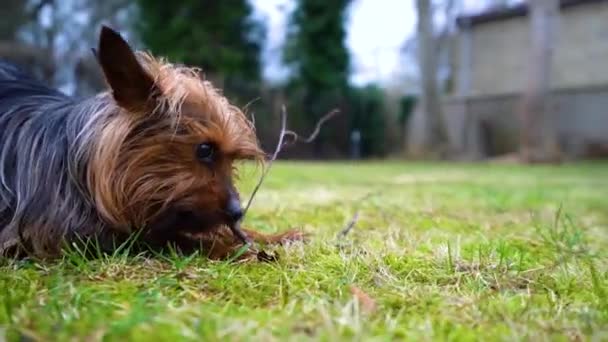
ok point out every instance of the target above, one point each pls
(490, 74)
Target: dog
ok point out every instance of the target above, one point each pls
(150, 159)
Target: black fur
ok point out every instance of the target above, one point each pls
(44, 146)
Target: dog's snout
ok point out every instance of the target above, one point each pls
(233, 209)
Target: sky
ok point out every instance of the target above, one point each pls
(376, 30)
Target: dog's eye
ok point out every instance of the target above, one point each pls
(205, 152)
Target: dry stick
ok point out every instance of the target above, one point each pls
(349, 226)
(246, 108)
(342, 234)
(253, 120)
(281, 143)
(317, 130)
(236, 228)
(274, 156)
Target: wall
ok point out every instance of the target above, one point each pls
(495, 54)
(485, 126)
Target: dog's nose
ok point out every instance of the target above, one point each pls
(234, 210)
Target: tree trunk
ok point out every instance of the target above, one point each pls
(538, 131)
(435, 136)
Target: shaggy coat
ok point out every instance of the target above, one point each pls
(154, 155)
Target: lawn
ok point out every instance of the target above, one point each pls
(438, 252)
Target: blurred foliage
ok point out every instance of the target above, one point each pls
(368, 117)
(315, 48)
(221, 37)
(225, 40)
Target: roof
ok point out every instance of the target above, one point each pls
(504, 13)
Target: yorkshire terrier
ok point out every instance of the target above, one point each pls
(152, 158)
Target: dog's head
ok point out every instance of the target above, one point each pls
(166, 150)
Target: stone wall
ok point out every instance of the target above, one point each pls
(487, 126)
(493, 57)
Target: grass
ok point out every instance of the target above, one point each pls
(439, 252)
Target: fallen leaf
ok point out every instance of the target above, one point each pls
(368, 304)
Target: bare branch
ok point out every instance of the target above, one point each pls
(251, 114)
(236, 228)
(274, 156)
(252, 120)
(281, 143)
(317, 130)
(250, 103)
(349, 226)
(342, 234)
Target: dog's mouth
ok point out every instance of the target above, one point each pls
(192, 223)
(188, 221)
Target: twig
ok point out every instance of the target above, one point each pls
(317, 130)
(252, 114)
(274, 156)
(281, 143)
(342, 234)
(236, 227)
(248, 104)
(349, 226)
(252, 120)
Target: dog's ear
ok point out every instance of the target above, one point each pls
(132, 86)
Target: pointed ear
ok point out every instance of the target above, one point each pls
(132, 86)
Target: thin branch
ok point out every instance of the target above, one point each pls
(349, 226)
(250, 103)
(342, 234)
(282, 143)
(236, 228)
(317, 130)
(274, 156)
(252, 120)
(251, 114)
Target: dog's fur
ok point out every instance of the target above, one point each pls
(121, 162)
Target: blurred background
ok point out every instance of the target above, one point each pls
(523, 81)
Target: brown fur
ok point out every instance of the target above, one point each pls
(137, 152)
(144, 161)
(136, 178)
(220, 244)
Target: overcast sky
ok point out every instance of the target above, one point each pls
(376, 30)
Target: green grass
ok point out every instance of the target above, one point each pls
(444, 251)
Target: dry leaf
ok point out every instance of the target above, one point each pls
(368, 304)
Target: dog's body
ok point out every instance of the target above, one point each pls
(154, 155)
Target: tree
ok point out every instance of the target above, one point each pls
(221, 37)
(538, 136)
(50, 39)
(17, 16)
(435, 135)
(369, 117)
(318, 60)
